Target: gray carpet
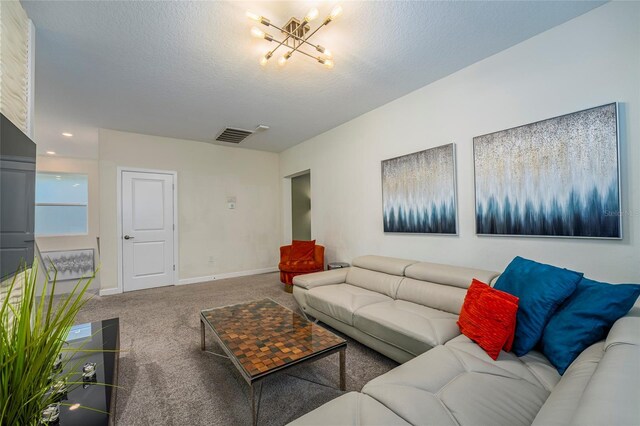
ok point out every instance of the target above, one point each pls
(165, 379)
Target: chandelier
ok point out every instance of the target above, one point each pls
(296, 35)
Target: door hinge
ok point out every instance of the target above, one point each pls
(174, 267)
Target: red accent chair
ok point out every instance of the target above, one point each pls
(290, 266)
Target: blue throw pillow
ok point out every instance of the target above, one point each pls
(584, 319)
(541, 289)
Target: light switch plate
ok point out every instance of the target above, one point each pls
(231, 203)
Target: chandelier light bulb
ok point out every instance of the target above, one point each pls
(328, 63)
(282, 61)
(311, 15)
(324, 51)
(336, 12)
(257, 32)
(253, 16)
(265, 58)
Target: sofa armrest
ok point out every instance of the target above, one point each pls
(316, 279)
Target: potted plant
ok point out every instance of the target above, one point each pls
(33, 330)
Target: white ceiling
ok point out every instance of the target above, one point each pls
(188, 69)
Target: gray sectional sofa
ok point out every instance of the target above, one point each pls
(407, 310)
(401, 308)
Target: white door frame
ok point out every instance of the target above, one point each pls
(120, 170)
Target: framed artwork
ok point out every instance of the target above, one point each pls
(419, 192)
(70, 264)
(558, 177)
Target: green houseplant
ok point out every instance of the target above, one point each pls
(33, 331)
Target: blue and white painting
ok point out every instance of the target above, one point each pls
(419, 192)
(558, 177)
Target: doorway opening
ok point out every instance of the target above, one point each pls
(301, 206)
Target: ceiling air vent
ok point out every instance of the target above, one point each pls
(233, 135)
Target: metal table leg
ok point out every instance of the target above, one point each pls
(252, 397)
(202, 346)
(343, 374)
(255, 407)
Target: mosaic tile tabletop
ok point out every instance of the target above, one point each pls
(263, 335)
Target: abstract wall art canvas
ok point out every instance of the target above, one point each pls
(70, 264)
(556, 178)
(419, 192)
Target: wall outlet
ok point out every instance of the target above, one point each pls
(211, 260)
(231, 203)
(231, 206)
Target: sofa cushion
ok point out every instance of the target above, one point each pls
(563, 401)
(351, 409)
(388, 265)
(412, 327)
(584, 319)
(456, 276)
(379, 282)
(340, 301)
(612, 395)
(541, 289)
(534, 367)
(448, 386)
(437, 296)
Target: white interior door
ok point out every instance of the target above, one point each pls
(147, 230)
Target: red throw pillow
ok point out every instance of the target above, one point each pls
(479, 287)
(303, 250)
(488, 317)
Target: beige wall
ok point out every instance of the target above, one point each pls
(588, 61)
(213, 239)
(15, 57)
(81, 166)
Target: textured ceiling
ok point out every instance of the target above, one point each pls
(188, 69)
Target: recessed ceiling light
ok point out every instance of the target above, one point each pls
(67, 134)
(51, 153)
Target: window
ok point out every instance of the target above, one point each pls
(61, 204)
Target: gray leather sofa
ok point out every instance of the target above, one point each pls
(457, 383)
(401, 308)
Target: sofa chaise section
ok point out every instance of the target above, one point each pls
(459, 384)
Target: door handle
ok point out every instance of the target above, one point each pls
(126, 237)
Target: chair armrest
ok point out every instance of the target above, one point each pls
(285, 252)
(319, 255)
(316, 279)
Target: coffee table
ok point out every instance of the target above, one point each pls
(263, 337)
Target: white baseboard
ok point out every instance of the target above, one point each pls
(226, 275)
(195, 280)
(110, 291)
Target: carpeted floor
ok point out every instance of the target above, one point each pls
(165, 379)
